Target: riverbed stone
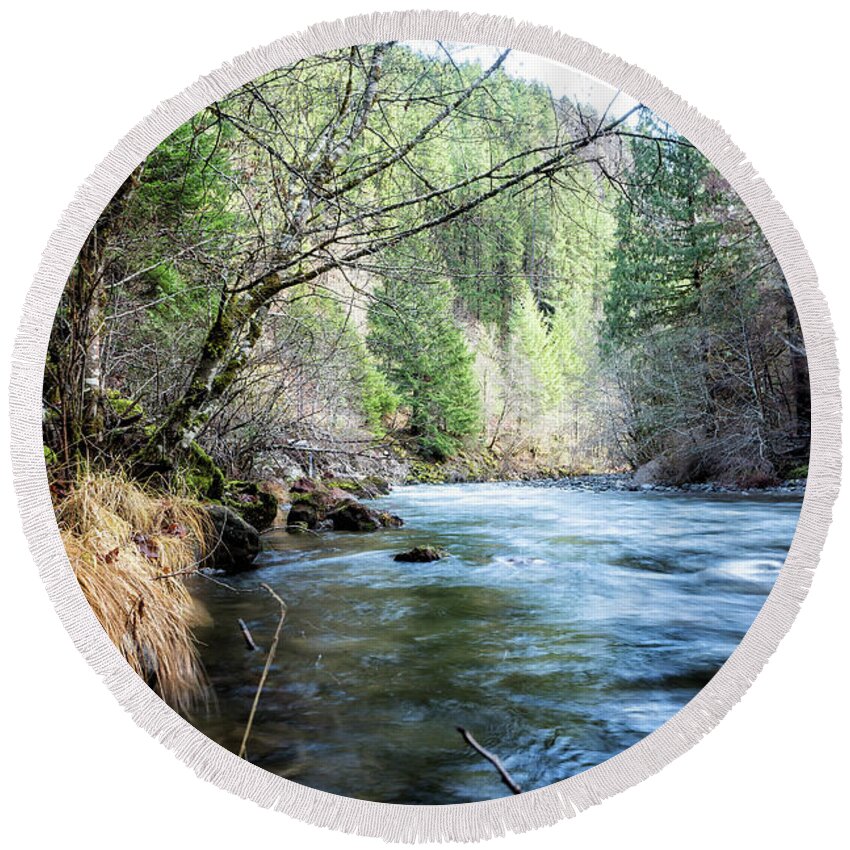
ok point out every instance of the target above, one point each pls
(354, 516)
(302, 516)
(421, 555)
(255, 505)
(319, 504)
(389, 520)
(232, 544)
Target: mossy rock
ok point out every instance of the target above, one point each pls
(422, 472)
(233, 543)
(301, 498)
(389, 520)
(318, 504)
(204, 478)
(308, 505)
(369, 487)
(303, 516)
(354, 516)
(254, 505)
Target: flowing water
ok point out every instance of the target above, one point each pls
(564, 627)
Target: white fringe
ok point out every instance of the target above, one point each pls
(412, 823)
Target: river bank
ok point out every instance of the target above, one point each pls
(486, 467)
(625, 482)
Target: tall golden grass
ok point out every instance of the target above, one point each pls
(124, 542)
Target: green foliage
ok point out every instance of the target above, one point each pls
(182, 178)
(667, 239)
(522, 327)
(379, 399)
(415, 338)
(203, 477)
(570, 337)
(325, 327)
(256, 506)
(694, 290)
(174, 299)
(122, 406)
(534, 344)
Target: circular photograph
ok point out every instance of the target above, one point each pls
(426, 422)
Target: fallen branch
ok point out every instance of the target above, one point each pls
(492, 758)
(269, 659)
(246, 633)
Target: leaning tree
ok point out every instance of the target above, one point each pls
(325, 164)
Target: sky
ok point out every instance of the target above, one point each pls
(560, 79)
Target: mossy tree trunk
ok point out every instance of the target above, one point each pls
(74, 373)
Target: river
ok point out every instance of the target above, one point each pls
(564, 627)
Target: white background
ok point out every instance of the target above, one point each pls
(76, 77)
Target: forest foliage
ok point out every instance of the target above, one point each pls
(378, 252)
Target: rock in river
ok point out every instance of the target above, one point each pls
(421, 554)
(233, 543)
(354, 516)
(317, 505)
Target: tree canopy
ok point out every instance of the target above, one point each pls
(375, 248)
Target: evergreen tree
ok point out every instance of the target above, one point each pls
(692, 286)
(417, 342)
(532, 344)
(667, 239)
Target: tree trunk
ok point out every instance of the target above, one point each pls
(228, 344)
(799, 378)
(74, 376)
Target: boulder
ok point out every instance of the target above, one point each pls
(302, 515)
(256, 506)
(233, 544)
(318, 505)
(369, 487)
(389, 520)
(421, 555)
(312, 508)
(305, 485)
(354, 516)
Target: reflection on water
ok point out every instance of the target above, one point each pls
(564, 627)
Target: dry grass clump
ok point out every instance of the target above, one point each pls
(123, 542)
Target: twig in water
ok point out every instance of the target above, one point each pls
(196, 571)
(492, 758)
(246, 633)
(269, 658)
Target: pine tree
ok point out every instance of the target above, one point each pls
(421, 349)
(531, 342)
